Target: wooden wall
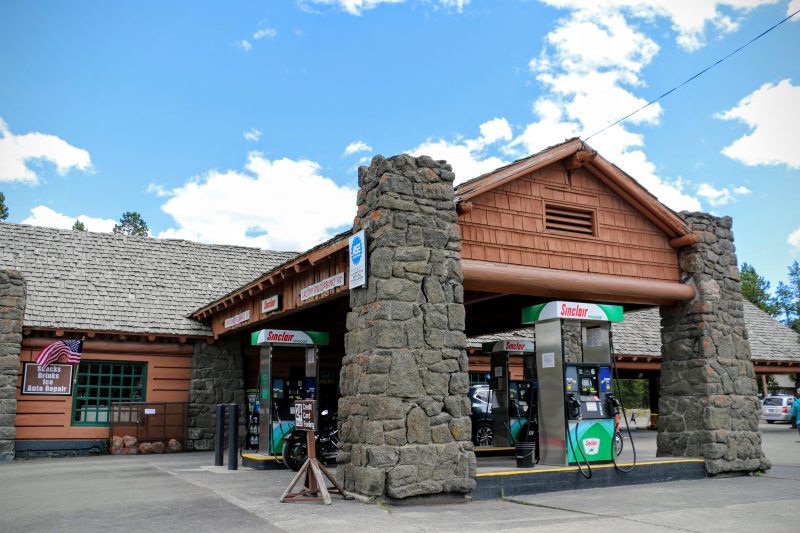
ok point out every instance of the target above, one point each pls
(289, 294)
(506, 225)
(50, 417)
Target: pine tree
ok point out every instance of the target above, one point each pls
(3, 208)
(131, 223)
(755, 289)
(78, 226)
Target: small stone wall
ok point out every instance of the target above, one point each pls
(708, 406)
(217, 377)
(405, 416)
(12, 310)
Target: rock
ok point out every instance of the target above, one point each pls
(158, 447)
(145, 447)
(174, 446)
(117, 450)
(129, 442)
(116, 442)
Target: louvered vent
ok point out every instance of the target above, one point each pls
(569, 219)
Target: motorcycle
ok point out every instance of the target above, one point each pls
(295, 450)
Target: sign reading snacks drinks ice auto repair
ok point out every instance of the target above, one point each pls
(55, 380)
(358, 260)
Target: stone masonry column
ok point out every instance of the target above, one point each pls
(405, 426)
(217, 377)
(12, 310)
(708, 406)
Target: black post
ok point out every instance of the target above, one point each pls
(233, 437)
(219, 435)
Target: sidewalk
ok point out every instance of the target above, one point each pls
(182, 492)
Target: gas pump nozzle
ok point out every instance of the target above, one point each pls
(574, 407)
(613, 405)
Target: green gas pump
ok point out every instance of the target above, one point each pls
(577, 405)
(511, 402)
(271, 430)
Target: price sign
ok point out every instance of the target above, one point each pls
(305, 415)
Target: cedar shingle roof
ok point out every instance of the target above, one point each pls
(106, 282)
(640, 334)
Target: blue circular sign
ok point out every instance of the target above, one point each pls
(357, 250)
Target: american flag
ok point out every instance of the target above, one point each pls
(70, 349)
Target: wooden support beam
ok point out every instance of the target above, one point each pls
(99, 346)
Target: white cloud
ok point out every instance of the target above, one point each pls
(44, 216)
(281, 204)
(356, 7)
(17, 152)
(469, 157)
(253, 135)
(590, 65)
(772, 112)
(689, 18)
(270, 33)
(719, 197)
(245, 45)
(158, 190)
(793, 240)
(355, 147)
(793, 6)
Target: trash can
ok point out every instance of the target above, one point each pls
(526, 454)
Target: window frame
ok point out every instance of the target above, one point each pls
(109, 388)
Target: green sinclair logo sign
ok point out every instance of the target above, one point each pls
(288, 336)
(573, 311)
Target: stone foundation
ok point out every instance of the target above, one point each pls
(405, 416)
(12, 309)
(217, 377)
(708, 406)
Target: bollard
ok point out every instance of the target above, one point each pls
(233, 437)
(219, 435)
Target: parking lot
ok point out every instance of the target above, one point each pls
(181, 492)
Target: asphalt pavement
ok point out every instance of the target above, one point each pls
(181, 492)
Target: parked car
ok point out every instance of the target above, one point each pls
(520, 398)
(481, 415)
(777, 408)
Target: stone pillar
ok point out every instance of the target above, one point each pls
(708, 406)
(573, 344)
(217, 377)
(405, 416)
(12, 310)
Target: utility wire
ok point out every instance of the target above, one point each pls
(651, 102)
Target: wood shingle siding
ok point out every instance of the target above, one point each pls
(507, 225)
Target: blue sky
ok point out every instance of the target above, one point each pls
(244, 122)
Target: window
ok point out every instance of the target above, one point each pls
(567, 219)
(478, 378)
(101, 382)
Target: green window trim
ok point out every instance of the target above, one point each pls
(98, 383)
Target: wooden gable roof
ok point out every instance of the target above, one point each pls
(574, 154)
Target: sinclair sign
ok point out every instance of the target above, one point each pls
(573, 311)
(289, 337)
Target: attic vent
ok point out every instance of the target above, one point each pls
(568, 219)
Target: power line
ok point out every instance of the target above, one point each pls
(651, 102)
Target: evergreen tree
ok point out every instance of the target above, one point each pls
(755, 288)
(131, 223)
(3, 208)
(78, 226)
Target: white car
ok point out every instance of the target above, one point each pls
(777, 408)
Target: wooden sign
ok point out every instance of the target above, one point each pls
(305, 415)
(55, 380)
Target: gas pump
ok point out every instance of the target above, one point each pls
(512, 403)
(271, 423)
(577, 404)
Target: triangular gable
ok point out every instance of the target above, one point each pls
(574, 154)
